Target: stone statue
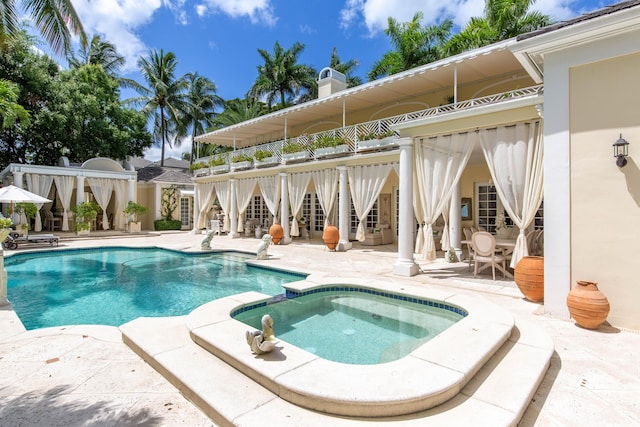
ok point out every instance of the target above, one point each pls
(264, 245)
(206, 242)
(262, 341)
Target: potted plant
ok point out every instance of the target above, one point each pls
(134, 209)
(293, 151)
(241, 161)
(29, 210)
(377, 140)
(85, 213)
(5, 229)
(329, 145)
(198, 168)
(219, 165)
(264, 158)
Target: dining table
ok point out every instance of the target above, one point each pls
(507, 245)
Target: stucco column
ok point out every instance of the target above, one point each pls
(284, 208)
(196, 210)
(79, 189)
(132, 190)
(343, 210)
(233, 214)
(405, 264)
(158, 202)
(455, 221)
(18, 179)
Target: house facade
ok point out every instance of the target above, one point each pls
(522, 128)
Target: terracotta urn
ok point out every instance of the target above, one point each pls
(331, 237)
(529, 276)
(276, 233)
(587, 305)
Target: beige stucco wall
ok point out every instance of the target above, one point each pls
(605, 200)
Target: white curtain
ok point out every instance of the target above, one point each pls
(206, 196)
(40, 185)
(120, 192)
(244, 192)
(102, 189)
(270, 190)
(439, 163)
(223, 191)
(65, 185)
(326, 183)
(365, 184)
(514, 155)
(445, 240)
(297, 183)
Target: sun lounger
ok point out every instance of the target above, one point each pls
(14, 240)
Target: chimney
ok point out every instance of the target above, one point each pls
(330, 81)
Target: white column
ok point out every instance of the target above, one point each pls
(233, 214)
(18, 179)
(158, 204)
(284, 208)
(196, 210)
(455, 222)
(79, 189)
(132, 190)
(343, 211)
(405, 264)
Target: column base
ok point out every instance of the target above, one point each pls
(343, 246)
(405, 268)
(286, 240)
(234, 235)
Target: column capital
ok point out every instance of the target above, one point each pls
(283, 173)
(341, 168)
(406, 141)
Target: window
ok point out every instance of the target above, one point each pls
(318, 220)
(257, 209)
(185, 211)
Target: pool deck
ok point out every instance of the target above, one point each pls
(81, 375)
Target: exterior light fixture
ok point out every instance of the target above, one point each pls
(621, 151)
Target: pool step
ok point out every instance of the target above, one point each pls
(497, 395)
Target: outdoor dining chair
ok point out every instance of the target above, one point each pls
(484, 246)
(467, 236)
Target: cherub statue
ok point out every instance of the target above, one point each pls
(262, 341)
(264, 245)
(206, 242)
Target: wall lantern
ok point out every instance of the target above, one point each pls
(621, 151)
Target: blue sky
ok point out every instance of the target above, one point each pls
(219, 38)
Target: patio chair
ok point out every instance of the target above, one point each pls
(467, 236)
(532, 244)
(484, 246)
(51, 222)
(216, 227)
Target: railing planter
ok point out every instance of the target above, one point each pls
(266, 162)
(377, 144)
(219, 169)
(238, 166)
(201, 172)
(298, 156)
(325, 152)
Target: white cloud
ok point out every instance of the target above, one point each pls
(258, 11)
(154, 153)
(307, 29)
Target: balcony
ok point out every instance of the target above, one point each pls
(360, 138)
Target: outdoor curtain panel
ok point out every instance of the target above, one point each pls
(101, 189)
(120, 192)
(223, 191)
(40, 185)
(244, 192)
(439, 163)
(326, 183)
(297, 184)
(270, 190)
(206, 197)
(365, 184)
(514, 156)
(65, 186)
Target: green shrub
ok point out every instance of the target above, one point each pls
(195, 166)
(326, 141)
(134, 209)
(241, 158)
(217, 161)
(5, 223)
(260, 155)
(167, 224)
(293, 147)
(28, 209)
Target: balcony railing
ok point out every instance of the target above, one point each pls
(370, 136)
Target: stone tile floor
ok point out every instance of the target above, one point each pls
(85, 375)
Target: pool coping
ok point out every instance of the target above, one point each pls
(430, 375)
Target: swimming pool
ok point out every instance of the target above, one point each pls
(111, 286)
(357, 326)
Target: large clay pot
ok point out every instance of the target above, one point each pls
(588, 306)
(331, 237)
(276, 233)
(529, 276)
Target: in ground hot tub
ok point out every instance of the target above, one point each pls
(429, 374)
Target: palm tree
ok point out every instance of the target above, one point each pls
(164, 101)
(281, 75)
(414, 45)
(345, 68)
(54, 19)
(98, 52)
(201, 103)
(501, 20)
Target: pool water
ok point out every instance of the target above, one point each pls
(111, 286)
(353, 327)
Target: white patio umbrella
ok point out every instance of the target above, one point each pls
(12, 194)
